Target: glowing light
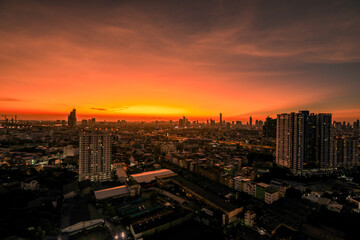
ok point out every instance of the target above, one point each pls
(151, 110)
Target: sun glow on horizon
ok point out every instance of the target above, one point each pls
(143, 110)
(124, 61)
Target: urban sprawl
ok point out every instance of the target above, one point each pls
(291, 177)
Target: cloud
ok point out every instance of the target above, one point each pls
(6, 99)
(109, 109)
(234, 56)
(99, 109)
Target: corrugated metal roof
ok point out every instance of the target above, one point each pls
(147, 177)
(111, 192)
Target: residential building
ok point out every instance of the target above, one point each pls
(303, 140)
(94, 156)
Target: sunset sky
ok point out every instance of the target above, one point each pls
(165, 59)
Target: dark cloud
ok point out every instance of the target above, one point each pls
(99, 109)
(109, 109)
(6, 99)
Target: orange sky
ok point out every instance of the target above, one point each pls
(140, 60)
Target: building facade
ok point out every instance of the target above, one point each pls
(344, 152)
(303, 140)
(269, 128)
(94, 156)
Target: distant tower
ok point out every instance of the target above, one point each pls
(221, 122)
(72, 119)
(94, 156)
(250, 122)
(183, 122)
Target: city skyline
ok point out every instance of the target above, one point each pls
(247, 120)
(182, 119)
(119, 60)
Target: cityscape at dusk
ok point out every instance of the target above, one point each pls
(158, 120)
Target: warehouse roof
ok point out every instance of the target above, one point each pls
(111, 192)
(149, 176)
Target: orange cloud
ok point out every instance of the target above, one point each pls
(239, 59)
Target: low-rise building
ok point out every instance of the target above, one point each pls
(156, 223)
(281, 187)
(149, 176)
(249, 218)
(115, 192)
(260, 190)
(271, 195)
(240, 183)
(335, 207)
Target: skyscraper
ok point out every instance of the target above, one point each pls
(269, 128)
(284, 139)
(356, 127)
(221, 121)
(183, 122)
(72, 119)
(351, 152)
(323, 125)
(94, 156)
(344, 152)
(250, 121)
(303, 140)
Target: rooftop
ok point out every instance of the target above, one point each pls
(215, 199)
(271, 190)
(155, 220)
(149, 176)
(264, 185)
(76, 211)
(111, 192)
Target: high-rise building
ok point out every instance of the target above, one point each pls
(260, 123)
(323, 126)
(183, 122)
(356, 127)
(221, 121)
(269, 128)
(351, 152)
(72, 119)
(284, 139)
(94, 156)
(250, 121)
(344, 152)
(303, 140)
